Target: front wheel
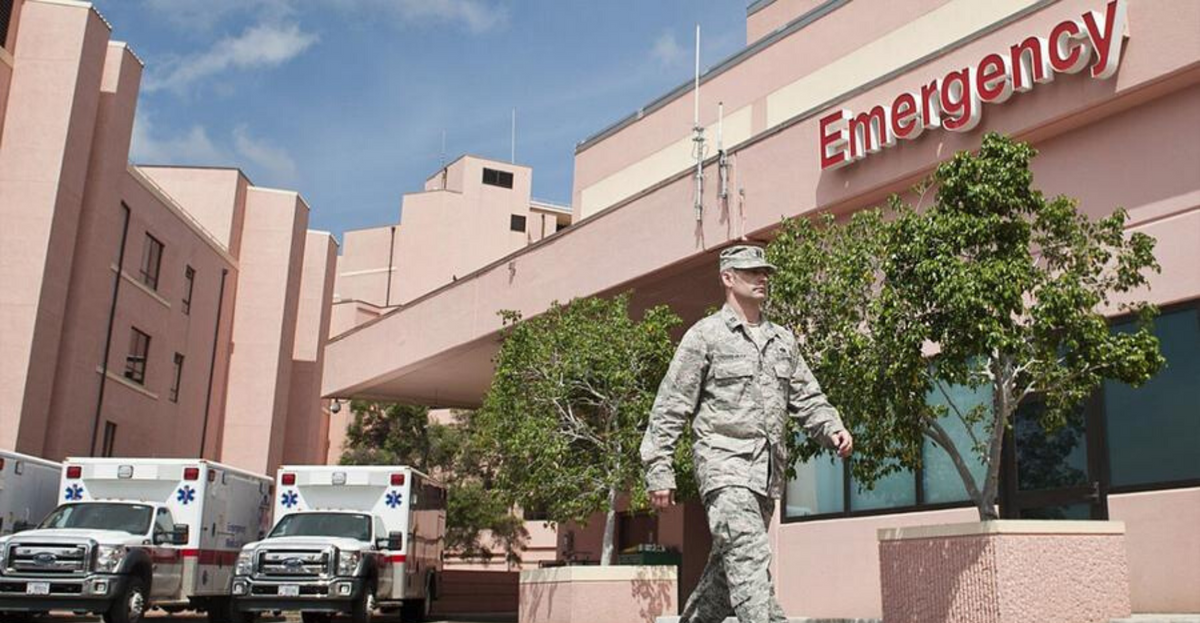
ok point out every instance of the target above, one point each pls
(418, 609)
(364, 606)
(224, 610)
(130, 605)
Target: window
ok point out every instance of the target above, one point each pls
(110, 439)
(492, 177)
(151, 261)
(939, 478)
(189, 282)
(1153, 431)
(175, 380)
(135, 361)
(517, 223)
(6, 9)
(818, 489)
(164, 525)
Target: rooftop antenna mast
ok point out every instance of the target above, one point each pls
(698, 136)
(722, 156)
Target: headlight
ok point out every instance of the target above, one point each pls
(348, 562)
(245, 563)
(109, 557)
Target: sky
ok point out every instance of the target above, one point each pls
(347, 101)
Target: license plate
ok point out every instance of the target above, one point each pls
(37, 588)
(289, 590)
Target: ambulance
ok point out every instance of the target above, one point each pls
(131, 534)
(28, 490)
(349, 540)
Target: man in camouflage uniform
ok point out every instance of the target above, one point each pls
(738, 378)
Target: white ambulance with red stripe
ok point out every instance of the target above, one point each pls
(349, 540)
(131, 534)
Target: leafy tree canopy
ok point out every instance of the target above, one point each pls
(477, 518)
(992, 286)
(569, 403)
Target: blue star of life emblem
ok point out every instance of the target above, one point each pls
(393, 499)
(185, 495)
(290, 499)
(74, 493)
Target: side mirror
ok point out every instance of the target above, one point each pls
(393, 541)
(180, 534)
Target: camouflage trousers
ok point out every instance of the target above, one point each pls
(737, 578)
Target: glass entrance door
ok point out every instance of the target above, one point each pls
(1056, 475)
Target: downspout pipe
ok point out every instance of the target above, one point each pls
(112, 317)
(212, 362)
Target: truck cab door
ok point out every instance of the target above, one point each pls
(386, 575)
(167, 558)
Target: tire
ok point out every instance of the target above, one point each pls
(131, 605)
(417, 610)
(364, 606)
(316, 617)
(224, 610)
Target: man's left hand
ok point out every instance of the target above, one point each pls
(843, 443)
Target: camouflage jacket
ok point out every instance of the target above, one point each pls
(738, 398)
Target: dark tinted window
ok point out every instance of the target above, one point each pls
(131, 518)
(6, 8)
(135, 361)
(492, 177)
(346, 525)
(189, 282)
(1154, 430)
(517, 223)
(151, 261)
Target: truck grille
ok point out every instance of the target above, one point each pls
(48, 559)
(295, 563)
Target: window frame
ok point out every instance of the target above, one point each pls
(108, 445)
(152, 253)
(1101, 450)
(500, 178)
(1167, 485)
(132, 373)
(189, 280)
(177, 379)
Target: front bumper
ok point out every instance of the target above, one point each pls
(334, 595)
(92, 593)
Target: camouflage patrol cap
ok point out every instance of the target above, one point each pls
(745, 257)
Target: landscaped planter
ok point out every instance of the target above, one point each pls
(1005, 572)
(616, 594)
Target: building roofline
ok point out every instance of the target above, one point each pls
(464, 156)
(712, 72)
(199, 167)
(757, 5)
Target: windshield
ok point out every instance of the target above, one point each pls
(131, 518)
(346, 525)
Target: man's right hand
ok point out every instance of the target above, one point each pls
(663, 499)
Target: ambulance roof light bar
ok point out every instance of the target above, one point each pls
(288, 478)
(74, 471)
(191, 473)
(397, 480)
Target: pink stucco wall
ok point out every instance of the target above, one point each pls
(1051, 574)
(306, 432)
(49, 120)
(264, 329)
(1164, 548)
(214, 197)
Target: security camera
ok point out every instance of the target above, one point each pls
(336, 406)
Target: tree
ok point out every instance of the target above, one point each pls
(994, 288)
(569, 403)
(393, 434)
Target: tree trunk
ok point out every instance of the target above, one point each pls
(610, 529)
(1002, 408)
